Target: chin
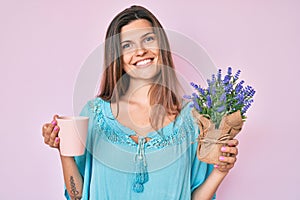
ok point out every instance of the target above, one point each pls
(147, 73)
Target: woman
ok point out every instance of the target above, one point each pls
(141, 141)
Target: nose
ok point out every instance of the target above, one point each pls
(140, 51)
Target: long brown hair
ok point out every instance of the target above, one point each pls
(115, 82)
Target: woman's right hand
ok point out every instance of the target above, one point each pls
(50, 133)
(71, 173)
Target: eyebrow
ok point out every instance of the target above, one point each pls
(144, 35)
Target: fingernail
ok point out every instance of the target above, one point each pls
(221, 158)
(56, 128)
(56, 139)
(223, 149)
(216, 166)
(53, 122)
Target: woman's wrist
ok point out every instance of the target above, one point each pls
(66, 158)
(219, 173)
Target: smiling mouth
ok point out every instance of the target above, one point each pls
(143, 62)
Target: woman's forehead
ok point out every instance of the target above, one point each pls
(136, 29)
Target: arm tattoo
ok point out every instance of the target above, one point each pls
(74, 191)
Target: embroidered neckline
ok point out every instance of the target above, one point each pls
(117, 133)
(108, 112)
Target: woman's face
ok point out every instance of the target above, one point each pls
(140, 50)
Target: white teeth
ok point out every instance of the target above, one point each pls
(143, 62)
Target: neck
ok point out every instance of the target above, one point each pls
(138, 91)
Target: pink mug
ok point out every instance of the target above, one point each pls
(72, 134)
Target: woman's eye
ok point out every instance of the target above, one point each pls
(149, 39)
(126, 46)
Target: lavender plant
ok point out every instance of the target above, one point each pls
(222, 96)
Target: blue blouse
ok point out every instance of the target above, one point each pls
(114, 167)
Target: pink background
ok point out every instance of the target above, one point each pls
(44, 43)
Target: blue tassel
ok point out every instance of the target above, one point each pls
(141, 176)
(138, 188)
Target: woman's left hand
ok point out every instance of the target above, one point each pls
(230, 160)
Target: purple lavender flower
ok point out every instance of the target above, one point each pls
(187, 96)
(250, 101)
(213, 90)
(249, 91)
(208, 82)
(195, 96)
(213, 79)
(208, 101)
(248, 88)
(236, 76)
(201, 91)
(221, 109)
(219, 75)
(228, 88)
(238, 88)
(242, 82)
(226, 79)
(194, 85)
(240, 98)
(252, 93)
(229, 71)
(223, 97)
(196, 105)
(245, 108)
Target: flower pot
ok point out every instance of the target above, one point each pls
(212, 138)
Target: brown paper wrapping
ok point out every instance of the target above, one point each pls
(210, 139)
